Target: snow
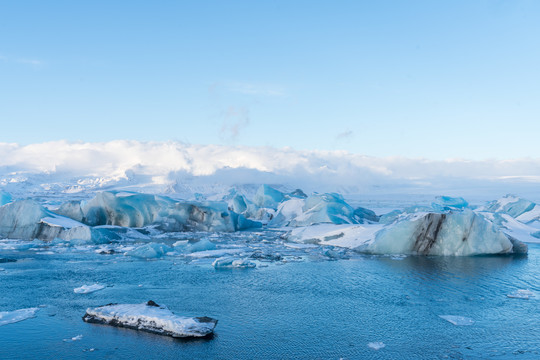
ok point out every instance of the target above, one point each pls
(152, 318)
(216, 253)
(458, 320)
(87, 289)
(349, 236)
(9, 317)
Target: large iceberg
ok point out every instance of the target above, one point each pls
(28, 220)
(150, 317)
(138, 210)
(458, 233)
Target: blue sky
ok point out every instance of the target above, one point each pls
(433, 79)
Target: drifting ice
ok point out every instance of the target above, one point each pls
(9, 317)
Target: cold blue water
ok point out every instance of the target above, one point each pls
(310, 307)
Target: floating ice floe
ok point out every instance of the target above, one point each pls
(521, 294)
(87, 289)
(75, 338)
(458, 320)
(152, 318)
(376, 345)
(9, 317)
(228, 262)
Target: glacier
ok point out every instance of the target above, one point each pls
(150, 317)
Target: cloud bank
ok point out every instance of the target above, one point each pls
(178, 167)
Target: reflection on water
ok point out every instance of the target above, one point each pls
(306, 309)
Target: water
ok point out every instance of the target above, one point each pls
(311, 308)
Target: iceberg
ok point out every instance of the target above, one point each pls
(518, 208)
(9, 317)
(150, 317)
(129, 209)
(27, 220)
(317, 209)
(458, 233)
(444, 203)
(376, 345)
(87, 289)
(268, 197)
(454, 233)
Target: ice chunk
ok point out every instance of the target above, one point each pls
(201, 245)
(149, 251)
(152, 318)
(228, 262)
(444, 203)
(514, 229)
(268, 197)
(376, 345)
(87, 289)
(9, 317)
(5, 198)
(349, 236)
(458, 320)
(521, 294)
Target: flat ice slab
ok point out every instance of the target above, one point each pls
(9, 317)
(152, 318)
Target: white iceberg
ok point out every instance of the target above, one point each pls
(9, 317)
(152, 318)
(150, 251)
(87, 289)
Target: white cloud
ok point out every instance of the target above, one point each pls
(177, 165)
(32, 62)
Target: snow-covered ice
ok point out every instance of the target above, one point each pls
(150, 317)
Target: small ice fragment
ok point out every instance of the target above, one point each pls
(458, 320)
(521, 294)
(227, 262)
(376, 345)
(9, 317)
(86, 289)
(75, 338)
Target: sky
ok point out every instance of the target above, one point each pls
(417, 79)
